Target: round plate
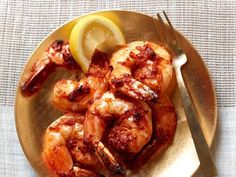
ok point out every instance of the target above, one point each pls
(34, 114)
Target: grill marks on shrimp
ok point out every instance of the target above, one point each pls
(151, 74)
(82, 90)
(127, 81)
(120, 143)
(147, 69)
(77, 96)
(143, 59)
(145, 53)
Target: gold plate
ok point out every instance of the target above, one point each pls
(34, 114)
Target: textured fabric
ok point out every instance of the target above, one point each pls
(209, 25)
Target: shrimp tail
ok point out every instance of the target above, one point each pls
(99, 66)
(33, 81)
(133, 88)
(115, 169)
(100, 59)
(57, 55)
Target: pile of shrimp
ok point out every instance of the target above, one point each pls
(115, 116)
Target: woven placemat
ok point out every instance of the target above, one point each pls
(210, 26)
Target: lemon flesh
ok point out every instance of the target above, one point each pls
(93, 32)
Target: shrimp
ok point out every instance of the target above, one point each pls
(129, 120)
(77, 96)
(141, 70)
(57, 55)
(164, 121)
(63, 147)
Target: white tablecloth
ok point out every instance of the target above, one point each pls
(209, 25)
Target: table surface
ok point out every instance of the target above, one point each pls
(209, 25)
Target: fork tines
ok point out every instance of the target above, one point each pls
(166, 33)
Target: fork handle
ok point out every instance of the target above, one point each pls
(206, 162)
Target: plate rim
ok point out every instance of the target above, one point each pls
(17, 90)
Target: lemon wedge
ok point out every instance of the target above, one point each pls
(91, 32)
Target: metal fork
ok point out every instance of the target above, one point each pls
(168, 35)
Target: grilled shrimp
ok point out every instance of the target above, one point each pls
(57, 55)
(164, 121)
(141, 70)
(77, 96)
(63, 147)
(129, 122)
